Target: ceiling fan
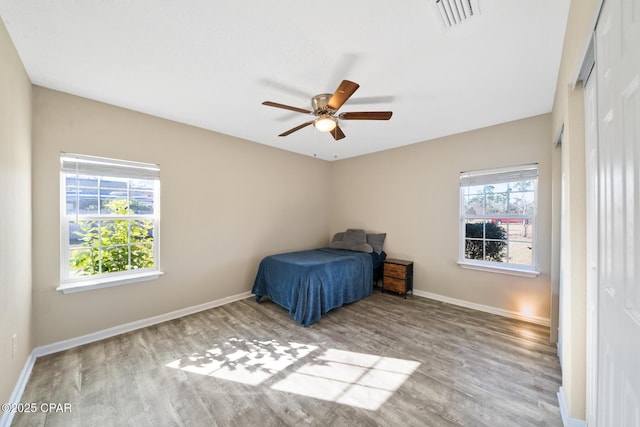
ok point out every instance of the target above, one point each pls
(325, 107)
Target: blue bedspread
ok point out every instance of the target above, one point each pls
(310, 283)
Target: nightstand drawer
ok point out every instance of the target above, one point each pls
(397, 276)
(395, 285)
(395, 270)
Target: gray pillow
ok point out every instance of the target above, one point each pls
(376, 241)
(363, 247)
(338, 237)
(356, 240)
(336, 242)
(353, 237)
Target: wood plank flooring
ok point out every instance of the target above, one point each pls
(382, 361)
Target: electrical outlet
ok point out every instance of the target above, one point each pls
(14, 345)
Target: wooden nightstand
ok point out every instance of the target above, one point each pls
(397, 276)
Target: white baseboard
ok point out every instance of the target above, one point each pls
(5, 420)
(132, 326)
(7, 417)
(486, 308)
(567, 421)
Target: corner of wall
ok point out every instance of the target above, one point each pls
(568, 111)
(15, 227)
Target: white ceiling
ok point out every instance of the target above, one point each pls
(211, 63)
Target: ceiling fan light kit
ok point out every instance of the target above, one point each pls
(326, 105)
(325, 123)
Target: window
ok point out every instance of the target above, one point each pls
(497, 220)
(110, 222)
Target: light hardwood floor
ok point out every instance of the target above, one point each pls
(382, 361)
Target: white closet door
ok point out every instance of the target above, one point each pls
(618, 74)
(591, 157)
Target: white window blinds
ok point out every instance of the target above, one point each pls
(89, 165)
(499, 176)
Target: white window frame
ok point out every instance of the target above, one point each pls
(493, 177)
(105, 168)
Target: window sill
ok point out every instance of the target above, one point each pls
(501, 270)
(88, 285)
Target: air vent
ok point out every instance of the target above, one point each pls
(454, 12)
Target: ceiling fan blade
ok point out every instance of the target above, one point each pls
(290, 131)
(286, 107)
(337, 133)
(344, 92)
(367, 115)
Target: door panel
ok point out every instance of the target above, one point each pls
(618, 199)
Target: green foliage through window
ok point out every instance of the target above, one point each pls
(112, 245)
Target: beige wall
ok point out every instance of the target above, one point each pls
(412, 194)
(226, 203)
(15, 215)
(568, 111)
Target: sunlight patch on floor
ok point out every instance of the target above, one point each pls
(356, 379)
(243, 361)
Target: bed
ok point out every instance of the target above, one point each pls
(312, 282)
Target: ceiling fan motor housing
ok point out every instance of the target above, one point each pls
(319, 104)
